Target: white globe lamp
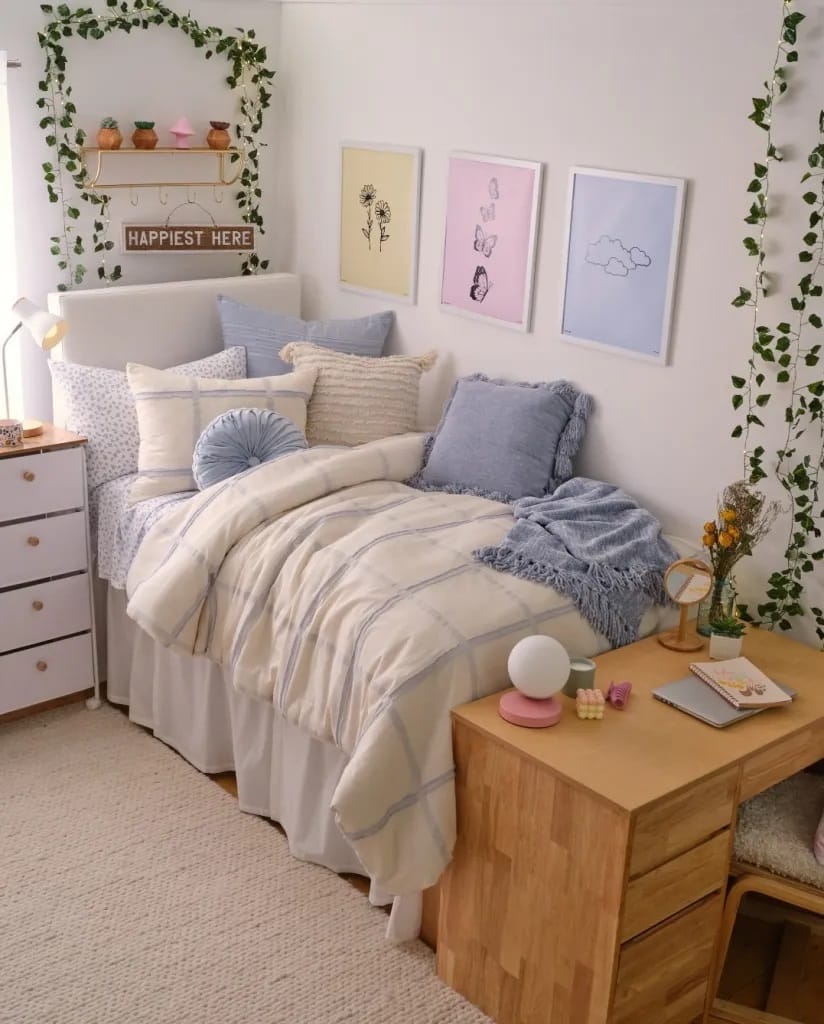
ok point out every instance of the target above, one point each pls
(539, 668)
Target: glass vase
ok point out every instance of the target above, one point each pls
(718, 604)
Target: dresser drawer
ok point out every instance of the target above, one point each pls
(671, 887)
(672, 827)
(35, 614)
(42, 673)
(33, 485)
(42, 547)
(662, 976)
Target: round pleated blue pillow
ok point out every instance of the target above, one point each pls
(240, 439)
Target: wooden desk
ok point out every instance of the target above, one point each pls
(592, 858)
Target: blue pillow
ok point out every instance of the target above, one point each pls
(504, 440)
(241, 439)
(264, 334)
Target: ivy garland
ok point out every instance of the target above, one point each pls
(785, 356)
(248, 72)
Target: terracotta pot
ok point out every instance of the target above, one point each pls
(109, 138)
(144, 138)
(218, 137)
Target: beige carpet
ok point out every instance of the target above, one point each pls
(132, 890)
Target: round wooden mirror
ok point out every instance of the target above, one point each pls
(686, 582)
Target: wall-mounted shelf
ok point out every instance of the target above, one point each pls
(223, 156)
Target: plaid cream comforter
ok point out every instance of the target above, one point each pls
(354, 604)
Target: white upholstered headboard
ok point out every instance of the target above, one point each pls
(160, 324)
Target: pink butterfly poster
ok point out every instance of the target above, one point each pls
(490, 240)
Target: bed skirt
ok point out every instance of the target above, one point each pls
(282, 773)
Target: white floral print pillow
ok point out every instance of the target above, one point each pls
(98, 404)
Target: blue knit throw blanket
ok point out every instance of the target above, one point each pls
(590, 541)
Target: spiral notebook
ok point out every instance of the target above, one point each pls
(740, 683)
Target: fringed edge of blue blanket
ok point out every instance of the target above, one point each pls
(583, 588)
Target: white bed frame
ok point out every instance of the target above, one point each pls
(188, 702)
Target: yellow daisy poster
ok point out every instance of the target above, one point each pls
(379, 212)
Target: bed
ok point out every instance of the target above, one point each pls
(368, 793)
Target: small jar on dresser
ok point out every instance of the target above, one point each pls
(47, 644)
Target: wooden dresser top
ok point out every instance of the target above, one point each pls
(51, 439)
(649, 751)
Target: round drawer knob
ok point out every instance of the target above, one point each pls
(42, 666)
(33, 542)
(28, 476)
(37, 605)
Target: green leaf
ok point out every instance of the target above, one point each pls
(737, 401)
(751, 246)
(737, 431)
(762, 400)
(805, 257)
(815, 320)
(738, 382)
(760, 170)
(792, 56)
(783, 328)
(754, 185)
(809, 197)
(782, 377)
(743, 297)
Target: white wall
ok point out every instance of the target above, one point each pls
(662, 88)
(153, 75)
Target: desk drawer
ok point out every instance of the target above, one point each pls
(45, 672)
(670, 888)
(663, 975)
(35, 614)
(676, 825)
(41, 548)
(33, 485)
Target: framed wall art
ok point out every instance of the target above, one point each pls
(623, 233)
(490, 238)
(379, 215)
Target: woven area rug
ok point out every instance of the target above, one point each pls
(132, 890)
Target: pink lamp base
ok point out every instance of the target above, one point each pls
(514, 707)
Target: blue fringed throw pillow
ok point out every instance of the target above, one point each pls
(505, 440)
(241, 439)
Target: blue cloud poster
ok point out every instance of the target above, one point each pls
(622, 252)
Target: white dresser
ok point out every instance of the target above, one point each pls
(47, 647)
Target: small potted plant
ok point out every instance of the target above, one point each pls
(218, 137)
(726, 638)
(108, 135)
(144, 136)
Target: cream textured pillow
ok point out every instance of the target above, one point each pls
(173, 411)
(357, 398)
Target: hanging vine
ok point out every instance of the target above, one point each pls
(784, 357)
(65, 174)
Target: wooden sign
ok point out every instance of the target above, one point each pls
(188, 238)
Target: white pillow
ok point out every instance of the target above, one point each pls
(356, 398)
(98, 404)
(173, 411)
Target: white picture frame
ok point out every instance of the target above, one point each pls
(623, 236)
(395, 173)
(471, 174)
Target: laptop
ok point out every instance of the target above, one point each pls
(695, 698)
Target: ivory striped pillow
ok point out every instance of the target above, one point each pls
(356, 398)
(173, 411)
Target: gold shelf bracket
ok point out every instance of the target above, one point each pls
(94, 184)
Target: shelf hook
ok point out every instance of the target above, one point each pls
(191, 200)
(218, 194)
(134, 199)
(163, 197)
